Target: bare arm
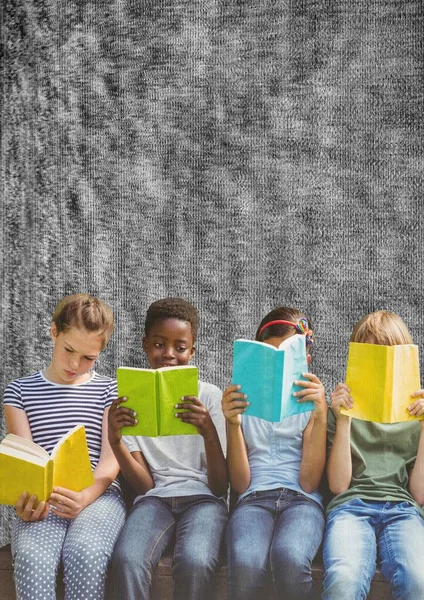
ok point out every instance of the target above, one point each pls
(339, 465)
(198, 415)
(17, 422)
(107, 468)
(315, 435)
(133, 464)
(217, 466)
(416, 477)
(233, 406)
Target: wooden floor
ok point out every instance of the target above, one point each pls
(162, 587)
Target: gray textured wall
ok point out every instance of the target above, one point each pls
(241, 154)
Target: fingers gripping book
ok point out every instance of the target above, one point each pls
(153, 394)
(267, 374)
(381, 380)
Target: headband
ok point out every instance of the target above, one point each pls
(301, 327)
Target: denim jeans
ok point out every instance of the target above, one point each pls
(359, 534)
(277, 532)
(198, 523)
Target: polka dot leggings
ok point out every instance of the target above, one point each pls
(84, 545)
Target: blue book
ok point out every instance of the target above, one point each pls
(267, 374)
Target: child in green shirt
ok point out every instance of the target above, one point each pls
(376, 473)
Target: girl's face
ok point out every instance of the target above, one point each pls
(169, 343)
(74, 353)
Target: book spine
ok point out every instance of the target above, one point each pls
(390, 384)
(157, 384)
(277, 393)
(48, 480)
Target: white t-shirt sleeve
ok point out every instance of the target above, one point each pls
(211, 397)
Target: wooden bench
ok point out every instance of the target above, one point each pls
(163, 585)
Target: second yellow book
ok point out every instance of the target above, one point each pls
(381, 380)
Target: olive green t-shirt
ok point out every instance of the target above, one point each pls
(382, 456)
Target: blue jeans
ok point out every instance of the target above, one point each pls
(198, 523)
(275, 531)
(361, 532)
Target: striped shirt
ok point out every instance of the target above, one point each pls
(53, 409)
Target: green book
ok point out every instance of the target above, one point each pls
(153, 394)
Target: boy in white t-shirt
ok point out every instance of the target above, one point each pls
(181, 480)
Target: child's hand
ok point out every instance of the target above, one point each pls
(341, 397)
(119, 416)
(234, 404)
(66, 503)
(417, 408)
(26, 511)
(313, 391)
(197, 414)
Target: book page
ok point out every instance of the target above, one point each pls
(258, 368)
(19, 443)
(295, 363)
(406, 381)
(140, 387)
(71, 461)
(23, 455)
(173, 384)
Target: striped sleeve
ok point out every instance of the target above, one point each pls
(112, 394)
(12, 395)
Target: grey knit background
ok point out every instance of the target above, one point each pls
(242, 154)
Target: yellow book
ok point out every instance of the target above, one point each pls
(27, 467)
(381, 380)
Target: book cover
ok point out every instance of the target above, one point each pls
(267, 374)
(27, 467)
(381, 380)
(153, 394)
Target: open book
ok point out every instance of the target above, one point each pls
(267, 374)
(27, 467)
(381, 380)
(153, 394)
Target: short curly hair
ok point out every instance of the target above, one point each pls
(172, 308)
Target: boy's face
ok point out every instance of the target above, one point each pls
(169, 343)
